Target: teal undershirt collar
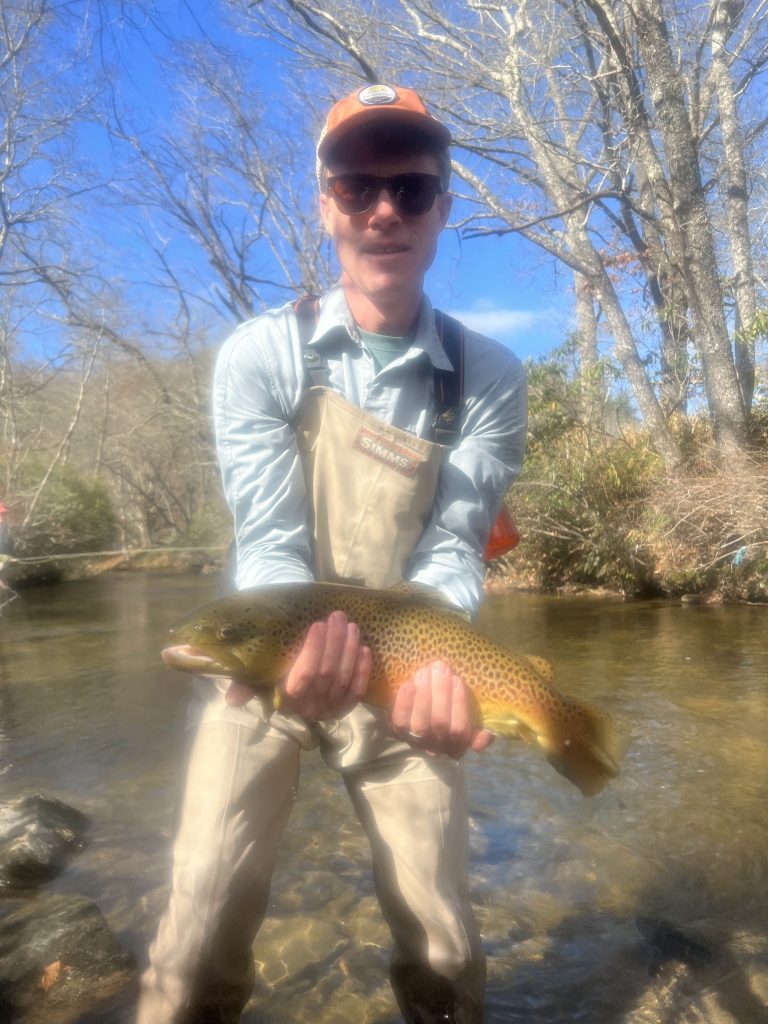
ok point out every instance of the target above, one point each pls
(382, 348)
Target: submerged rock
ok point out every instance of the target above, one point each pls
(667, 943)
(715, 978)
(37, 836)
(59, 960)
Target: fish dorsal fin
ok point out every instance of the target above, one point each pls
(429, 596)
(541, 666)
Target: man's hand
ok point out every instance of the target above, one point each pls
(433, 712)
(328, 677)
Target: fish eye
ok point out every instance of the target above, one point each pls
(226, 633)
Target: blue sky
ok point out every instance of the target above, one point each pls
(502, 288)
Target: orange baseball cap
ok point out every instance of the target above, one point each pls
(379, 103)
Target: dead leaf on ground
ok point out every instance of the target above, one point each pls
(51, 974)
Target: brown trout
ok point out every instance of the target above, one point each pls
(254, 634)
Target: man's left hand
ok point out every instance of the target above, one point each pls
(433, 712)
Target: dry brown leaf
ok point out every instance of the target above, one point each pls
(50, 975)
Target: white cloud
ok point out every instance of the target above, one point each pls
(498, 323)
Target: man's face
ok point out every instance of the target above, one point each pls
(384, 254)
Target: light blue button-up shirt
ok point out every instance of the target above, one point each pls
(258, 383)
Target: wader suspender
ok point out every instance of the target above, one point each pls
(449, 384)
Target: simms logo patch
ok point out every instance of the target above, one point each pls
(399, 457)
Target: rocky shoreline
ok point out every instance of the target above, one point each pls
(19, 574)
(209, 562)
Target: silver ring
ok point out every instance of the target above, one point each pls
(416, 735)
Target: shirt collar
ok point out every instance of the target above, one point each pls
(334, 318)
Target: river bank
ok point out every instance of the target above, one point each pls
(20, 573)
(507, 575)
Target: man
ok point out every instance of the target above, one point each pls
(345, 481)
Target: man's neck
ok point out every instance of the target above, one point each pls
(396, 318)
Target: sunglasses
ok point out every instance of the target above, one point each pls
(412, 194)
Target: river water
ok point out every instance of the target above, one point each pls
(644, 905)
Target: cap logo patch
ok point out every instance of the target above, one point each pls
(377, 95)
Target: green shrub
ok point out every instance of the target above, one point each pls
(74, 514)
(579, 509)
(211, 526)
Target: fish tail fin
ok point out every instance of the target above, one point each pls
(590, 754)
(587, 748)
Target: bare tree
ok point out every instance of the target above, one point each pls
(72, 321)
(726, 29)
(44, 99)
(230, 185)
(614, 137)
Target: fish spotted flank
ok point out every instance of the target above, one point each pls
(254, 634)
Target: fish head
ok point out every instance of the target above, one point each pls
(234, 637)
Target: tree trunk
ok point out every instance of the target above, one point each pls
(696, 256)
(736, 199)
(590, 376)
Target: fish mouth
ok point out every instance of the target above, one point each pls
(185, 658)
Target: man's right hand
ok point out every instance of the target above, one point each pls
(329, 676)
